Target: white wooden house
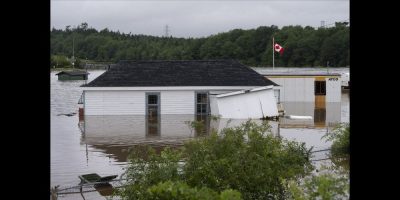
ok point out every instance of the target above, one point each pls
(167, 87)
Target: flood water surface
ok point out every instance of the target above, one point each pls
(100, 144)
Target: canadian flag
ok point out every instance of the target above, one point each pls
(278, 48)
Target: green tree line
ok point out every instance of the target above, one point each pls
(304, 46)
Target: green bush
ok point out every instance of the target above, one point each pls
(179, 190)
(341, 139)
(325, 186)
(247, 158)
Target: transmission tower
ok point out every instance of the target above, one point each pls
(322, 24)
(166, 31)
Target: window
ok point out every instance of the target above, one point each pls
(320, 88)
(201, 103)
(152, 104)
(152, 100)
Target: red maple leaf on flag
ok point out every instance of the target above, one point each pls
(278, 48)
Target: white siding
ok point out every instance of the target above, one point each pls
(296, 89)
(115, 103)
(213, 101)
(177, 102)
(255, 104)
(281, 83)
(333, 90)
(302, 89)
(131, 102)
(309, 87)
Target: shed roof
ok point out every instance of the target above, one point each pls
(179, 73)
(73, 73)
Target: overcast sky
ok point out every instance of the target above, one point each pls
(194, 18)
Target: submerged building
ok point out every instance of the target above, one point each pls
(306, 87)
(195, 87)
(72, 75)
(308, 94)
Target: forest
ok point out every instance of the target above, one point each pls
(303, 46)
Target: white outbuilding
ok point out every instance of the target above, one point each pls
(310, 87)
(180, 87)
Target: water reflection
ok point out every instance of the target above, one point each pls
(153, 126)
(115, 134)
(319, 114)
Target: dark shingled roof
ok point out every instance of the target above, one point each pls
(73, 73)
(179, 73)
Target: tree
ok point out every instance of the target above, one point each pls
(303, 46)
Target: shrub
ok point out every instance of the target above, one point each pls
(179, 190)
(341, 139)
(247, 158)
(325, 186)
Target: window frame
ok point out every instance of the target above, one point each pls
(158, 102)
(207, 104)
(320, 88)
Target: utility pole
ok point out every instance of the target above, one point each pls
(86, 71)
(73, 52)
(273, 53)
(327, 66)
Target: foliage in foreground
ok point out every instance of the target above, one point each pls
(333, 181)
(326, 186)
(179, 190)
(341, 139)
(247, 158)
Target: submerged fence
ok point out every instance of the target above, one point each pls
(101, 187)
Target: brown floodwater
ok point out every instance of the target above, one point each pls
(100, 144)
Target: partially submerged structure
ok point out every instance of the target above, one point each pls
(180, 87)
(72, 75)
(308, 94)
(306, 87)
(254, 103)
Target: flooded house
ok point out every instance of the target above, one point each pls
(72, 75)
(196, 87)
(308, 94)
(306, 87)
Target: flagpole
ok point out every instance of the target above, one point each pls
(273, 54)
